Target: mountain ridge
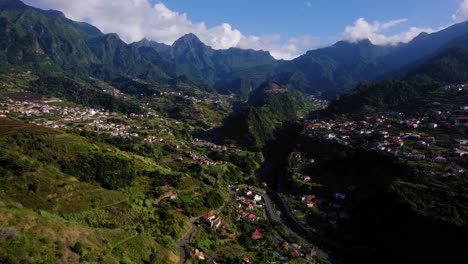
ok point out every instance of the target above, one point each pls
(57, 45)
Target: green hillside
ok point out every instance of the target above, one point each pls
(267, 108)
(65, 198)
(46, 42)
(417, 91)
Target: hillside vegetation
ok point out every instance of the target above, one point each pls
(69, 198)
(417, 91)
(267, 108)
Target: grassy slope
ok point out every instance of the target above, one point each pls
(51, 211)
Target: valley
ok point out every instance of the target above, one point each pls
(144, 152)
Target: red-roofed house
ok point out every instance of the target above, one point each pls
(257, 234)
(209, 217)
(248, 217)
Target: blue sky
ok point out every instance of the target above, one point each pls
(321, 18)
(285, 28)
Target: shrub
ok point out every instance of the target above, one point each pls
(77, 248)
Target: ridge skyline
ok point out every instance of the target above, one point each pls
(225, 25)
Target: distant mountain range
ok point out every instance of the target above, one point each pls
(50, 44)
(215, 68)
(420, 90)
(323, 71)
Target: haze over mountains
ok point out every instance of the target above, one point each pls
(46, 41)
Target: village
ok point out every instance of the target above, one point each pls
(435, 137)
(252, 205)
(147, 128)
(434, 142)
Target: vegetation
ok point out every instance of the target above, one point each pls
(36, 179)
(73, 91)
(268, 106)
(126, 186)
(387, 199)
(418, 91)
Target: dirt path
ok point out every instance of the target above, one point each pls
(123, 241)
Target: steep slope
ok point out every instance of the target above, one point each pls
(330, 70)
(83, 94)
(212, 67)
(56, 193)
(267, 108)
(46, 41)
(419, 90)
(333, 68)
(425, 46)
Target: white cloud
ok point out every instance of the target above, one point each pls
(136, 19)
(375, 32)
(393, 23)
(288, 50)
(462, 12)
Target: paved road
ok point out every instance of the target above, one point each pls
(271, 212)
(299, 226)
(186, 239)
(285, 209)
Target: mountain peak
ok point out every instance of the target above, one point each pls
(144, 43)
(11, 4)
(362, 42)
(189, 42)
(421, 36)
(189, 39)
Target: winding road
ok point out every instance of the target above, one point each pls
(291, 218)
(186, 239)
(271, 213)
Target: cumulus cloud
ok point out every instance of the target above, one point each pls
(287, 50)
(137, 19)
(462, 12)
(375, 32)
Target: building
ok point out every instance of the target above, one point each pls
(248, 217)
(430, 140)
(256, 235)
(257, 198)
(340, 196)
(306, 178)
(440, 159)
(461, 121)
(209, 218)
(432, 126)
(197, 253)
